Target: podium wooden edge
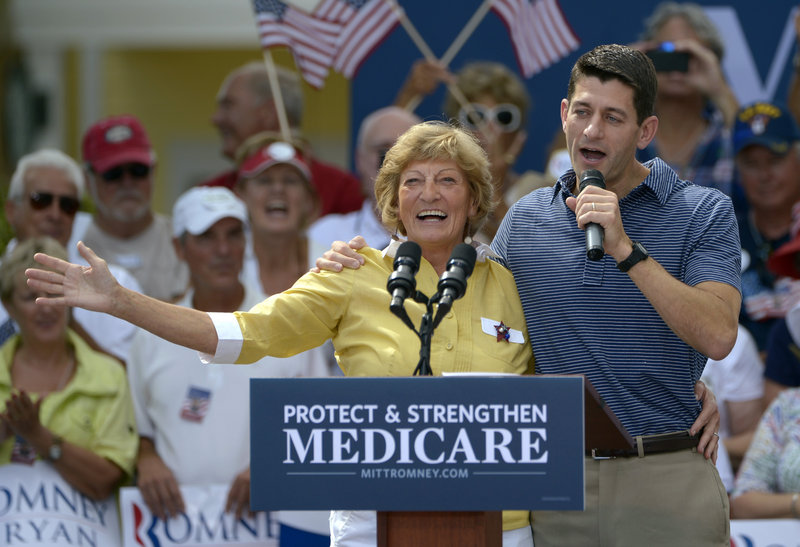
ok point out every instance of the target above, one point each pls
(601, 427)
(440, 528)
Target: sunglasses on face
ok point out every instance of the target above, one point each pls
(42, 200)
(506, 117)
(135, 170)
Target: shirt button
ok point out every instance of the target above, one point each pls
(449, 346)
(450, 315)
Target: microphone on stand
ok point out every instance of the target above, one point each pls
(453, 283)
(594, 232)
(402, 282)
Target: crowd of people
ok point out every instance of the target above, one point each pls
(698, 288)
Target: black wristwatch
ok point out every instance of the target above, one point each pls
(54, 452)
(638, 254)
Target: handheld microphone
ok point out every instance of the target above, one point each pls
(453, 283)
(402, 282)
(594, 232)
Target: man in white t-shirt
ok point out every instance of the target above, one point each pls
(194, 419)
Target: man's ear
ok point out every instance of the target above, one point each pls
(564, 111)
(647, 132)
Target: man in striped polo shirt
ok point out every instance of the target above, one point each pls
(640, 321)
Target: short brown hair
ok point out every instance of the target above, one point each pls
(625, 64)
(434, 140)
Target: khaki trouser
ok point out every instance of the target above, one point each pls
(670, 499)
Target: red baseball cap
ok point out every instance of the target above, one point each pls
(784, 261)
(114, 141)
(273, 154)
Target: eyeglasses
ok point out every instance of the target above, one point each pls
(506, 117)
(135, 170)
(42, 200)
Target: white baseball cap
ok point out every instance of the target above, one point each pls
(199, 208)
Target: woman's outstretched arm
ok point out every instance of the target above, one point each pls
(94, 288)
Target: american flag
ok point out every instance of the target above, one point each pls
(22, 452)
(338, 33)
(195, 406)
(539, 32)
(365, 24)
(312, 39)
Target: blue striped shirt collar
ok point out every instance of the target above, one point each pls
(660, 181)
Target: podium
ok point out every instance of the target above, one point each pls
(440, 528)
(437, 457)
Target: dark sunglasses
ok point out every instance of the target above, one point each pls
(43, 200)
(135, 170)
(506, 117)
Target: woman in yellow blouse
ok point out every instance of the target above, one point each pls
(59, 399)
(435, 189)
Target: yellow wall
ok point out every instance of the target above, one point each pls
(173, 94)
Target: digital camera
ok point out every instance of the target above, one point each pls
(666, 59)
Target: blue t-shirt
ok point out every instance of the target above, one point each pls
(587, 317)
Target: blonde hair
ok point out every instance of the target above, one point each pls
(21, 258)
(435, 140)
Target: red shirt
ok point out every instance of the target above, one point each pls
(338, 190)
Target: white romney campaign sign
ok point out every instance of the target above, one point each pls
(205, 522)
(765, 533)
(38, 508)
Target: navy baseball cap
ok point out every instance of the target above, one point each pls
(766, 124)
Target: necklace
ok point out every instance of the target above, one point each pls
(67, 373)
(34, 380)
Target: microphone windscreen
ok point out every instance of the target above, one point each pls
(410, 250)
(592, 177)
(467, 254)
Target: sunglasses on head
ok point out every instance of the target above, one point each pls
(42, 200)
(506, 117)
(135, 170)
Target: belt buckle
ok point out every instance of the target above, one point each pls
(596, 457)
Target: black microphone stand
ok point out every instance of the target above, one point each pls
(425, 332)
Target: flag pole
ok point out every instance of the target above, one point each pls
(412, 32)
(428, 54)
(277, 96)
(466, 32)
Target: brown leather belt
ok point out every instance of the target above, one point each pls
(649, 444)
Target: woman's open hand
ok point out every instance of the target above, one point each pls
(90, 287)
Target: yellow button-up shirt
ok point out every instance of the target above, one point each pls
(352, 308)
(94, 410)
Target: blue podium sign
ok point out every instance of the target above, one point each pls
(417, 444)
